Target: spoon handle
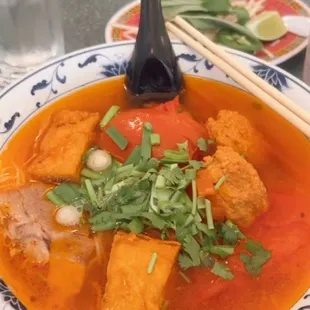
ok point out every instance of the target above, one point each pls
(153, 72)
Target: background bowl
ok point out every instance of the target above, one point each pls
(71, 72)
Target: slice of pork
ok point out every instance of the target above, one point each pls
(26, 218)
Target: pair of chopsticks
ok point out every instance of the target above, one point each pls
(240, 74)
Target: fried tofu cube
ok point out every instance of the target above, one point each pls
(129, 285)
(62, 146)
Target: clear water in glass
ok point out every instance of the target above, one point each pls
(30, 33)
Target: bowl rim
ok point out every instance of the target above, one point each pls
(78, 52)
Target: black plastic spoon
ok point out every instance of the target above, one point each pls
(153, 73)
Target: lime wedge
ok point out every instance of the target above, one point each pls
(267, 26)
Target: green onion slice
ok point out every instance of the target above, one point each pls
(209, 214)
(152, 263)
(109, 115)
(220, 182)
(117, 137)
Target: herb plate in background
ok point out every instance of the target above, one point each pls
(277, 51)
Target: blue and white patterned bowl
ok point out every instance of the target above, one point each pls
(66, 74)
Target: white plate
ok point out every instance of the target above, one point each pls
(25, 98)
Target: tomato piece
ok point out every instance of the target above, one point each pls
(173, 126)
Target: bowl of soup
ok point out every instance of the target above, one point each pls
(197, 203)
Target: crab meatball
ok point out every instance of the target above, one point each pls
(242, 197)
(232, 129)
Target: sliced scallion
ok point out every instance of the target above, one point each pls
(152, 263)
(51, 196)
(117, 137)
(209, 215)
(160, 182)
(185, 277)
(202, 144)
(165, 161)
(155, 139)
(134, 156)
(124, 168)
(201, 203)
(98, 182)
(146, 146)
(194, 198)
(190, 174)
(87, 173)
(109, 115)
(176, 155)
(123, 172)
(176, 196)
(67, 192)
(91, 191)
(220, 182)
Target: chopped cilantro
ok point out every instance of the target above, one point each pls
(196, 164)
(222, 250)
(220, 182)
(222, 271)
(231, 233)
(185, 277)
(152, 263)
(192, 248)
(202, 144)
(185, 261)
(183, 146)
(254, 263)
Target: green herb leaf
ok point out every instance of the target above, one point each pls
(209, 214)
(185, 261)
(134, 157)
(241, 41)
(146, 146)
(222, 271)
(52, 197)
(109, 115)
(260, 256)
(220, 182)
(67, 192)
(156, 221)
(117, 137)
(202, 144)
(222, 250)
(173, 176)
(217, 6)
(190, 174)
(152, 263)
(231, 233)
(175, 155)
(242, 15)
(155, 139)
(183, 146)
(192, 248)
(136, 226)
(196, 164)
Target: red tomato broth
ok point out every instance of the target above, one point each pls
(284, 229)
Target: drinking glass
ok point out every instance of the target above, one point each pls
(30, 34)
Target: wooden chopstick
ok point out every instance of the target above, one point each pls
(220, 52)
(258, 87)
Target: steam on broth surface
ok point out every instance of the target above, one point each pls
(245, 246)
